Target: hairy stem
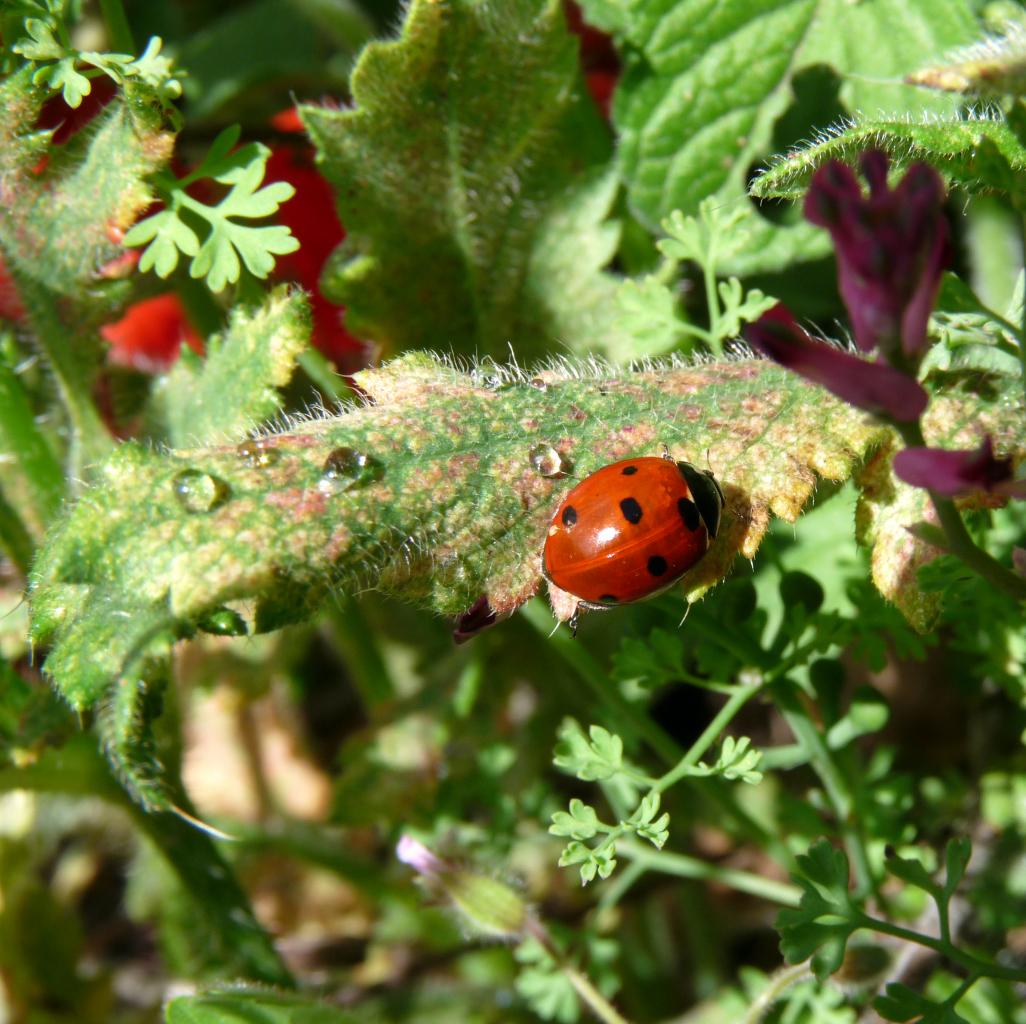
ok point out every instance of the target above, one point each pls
(119, 32)
(683, 866)
(601, 1007)
(836, 786)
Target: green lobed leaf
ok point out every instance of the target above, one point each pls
(704, 84)
(429, 493)
(472, 177)
(600, 757)
(234, 387)
(822, 923)
(902, 1003)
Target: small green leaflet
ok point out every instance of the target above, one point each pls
(227, 245)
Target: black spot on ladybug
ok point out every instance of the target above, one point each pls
(632, 510)
(570, 515)
(657, 565)
(629, 470)
(608, 599)
(689, 513)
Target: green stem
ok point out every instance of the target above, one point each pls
(363, 658)
(14, 537)
(119, 32)
(836, 787)
(709, 736)
(1022, 321)
(36, 463)
(62, 347)
(779, 983)
(641, 726)
(605, 691)
(683, 866)
(78, 769)
(621, 885)
(981, 968)
(960, 544)
(601, 1007)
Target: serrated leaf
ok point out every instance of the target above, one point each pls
(234, 388)
(887, 507)
(446, 507)
(472, 179)
(254, 1006)
(704, 85)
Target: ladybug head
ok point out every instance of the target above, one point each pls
(707, 493)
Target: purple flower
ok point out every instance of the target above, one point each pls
(892, 247)
(873, 386)
(954, 473)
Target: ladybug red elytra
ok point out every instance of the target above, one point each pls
(631, 529)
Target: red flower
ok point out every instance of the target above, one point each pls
(599, 60)
(892, 247)
(873, 386)
(313, 218)
(954, 473)
(150, 334)
(10, 301)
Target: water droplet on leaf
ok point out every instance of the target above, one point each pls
(223, 622)
(346, 468)
(538, 384)
(257, 455)
(197, 491)
(547, 461)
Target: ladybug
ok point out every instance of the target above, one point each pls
(631, 529)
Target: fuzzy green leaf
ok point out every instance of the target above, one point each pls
(214, 895)
(257, 1006)
(428, 493)
(472, 177)
(705, 83)
(979, 153)
(55, 233)
(234, 387)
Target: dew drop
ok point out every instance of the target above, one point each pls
(259, 456)
(223, 622)
(346, 468)
(197, 491)
(547, 461)
(538, 384)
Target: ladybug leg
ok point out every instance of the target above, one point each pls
(666, 453)
(573, 622)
